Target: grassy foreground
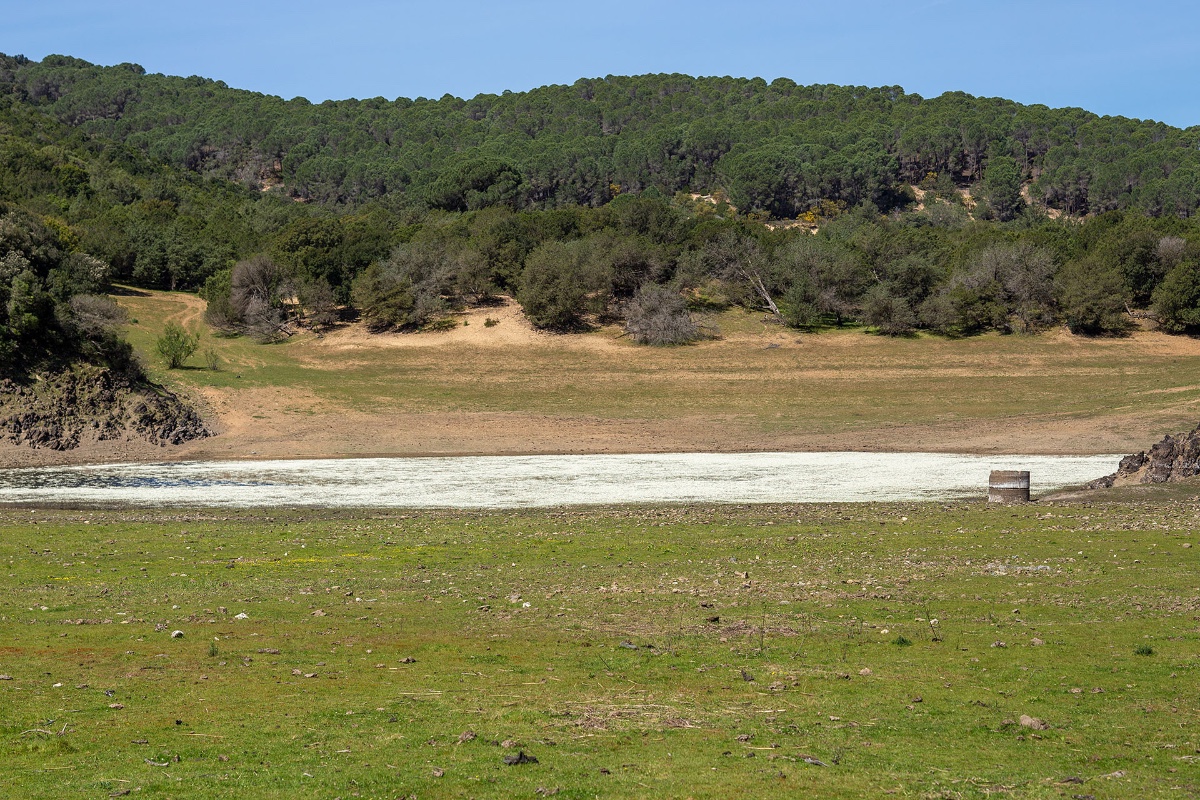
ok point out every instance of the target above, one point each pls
(669, 652)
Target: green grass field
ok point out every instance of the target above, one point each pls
(663, 652)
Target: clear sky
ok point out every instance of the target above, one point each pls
(1136, 59)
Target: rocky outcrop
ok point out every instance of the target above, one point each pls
(1172, 459)
(94, 403)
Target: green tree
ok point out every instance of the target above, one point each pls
(1092, 299)
(560, 284)
(1177, 299)
(1002, 188)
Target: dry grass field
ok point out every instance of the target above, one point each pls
(506, 388)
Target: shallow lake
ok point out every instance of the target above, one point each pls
(526, 481)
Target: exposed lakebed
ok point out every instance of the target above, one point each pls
(528, 481)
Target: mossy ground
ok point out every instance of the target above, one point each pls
(614, 645)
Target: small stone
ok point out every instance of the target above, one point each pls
(117, 706)
(242, 615)
(508, 744)
(865, 671)
(1036, 642)
(176, 634)
(408, 660)
(466, 736)
(318, 613)
(438, 772)
(999, 644)
(6, 677)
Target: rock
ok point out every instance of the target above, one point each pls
(1036, 642)
(865, 671)
(242, 615)
(519, 758)
(438, 772)
(318, 613)
(57, 411)
(1034, 723)
(1172, 459)
(176, 634)
(508, 744)
(6, 677)
(466, 736)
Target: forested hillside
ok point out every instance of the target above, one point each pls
(639, 200)
(779, 147)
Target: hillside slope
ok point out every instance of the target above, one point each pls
(779, 147)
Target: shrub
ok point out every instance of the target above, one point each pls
(560, 284)
(1177, 299)
(1143, 650)
(659, 316)
(889, 314)
(1092, 299)
(901, 641)
(176, 345)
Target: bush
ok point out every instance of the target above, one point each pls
(889, 314)
(1143, 650)
(1092, 299)
(560, 284)
(1177, 299)
(176, 345)
(659, 316)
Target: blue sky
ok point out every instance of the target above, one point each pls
(1136, 59)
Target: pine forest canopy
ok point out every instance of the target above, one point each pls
(779, 148)
(579, 201)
